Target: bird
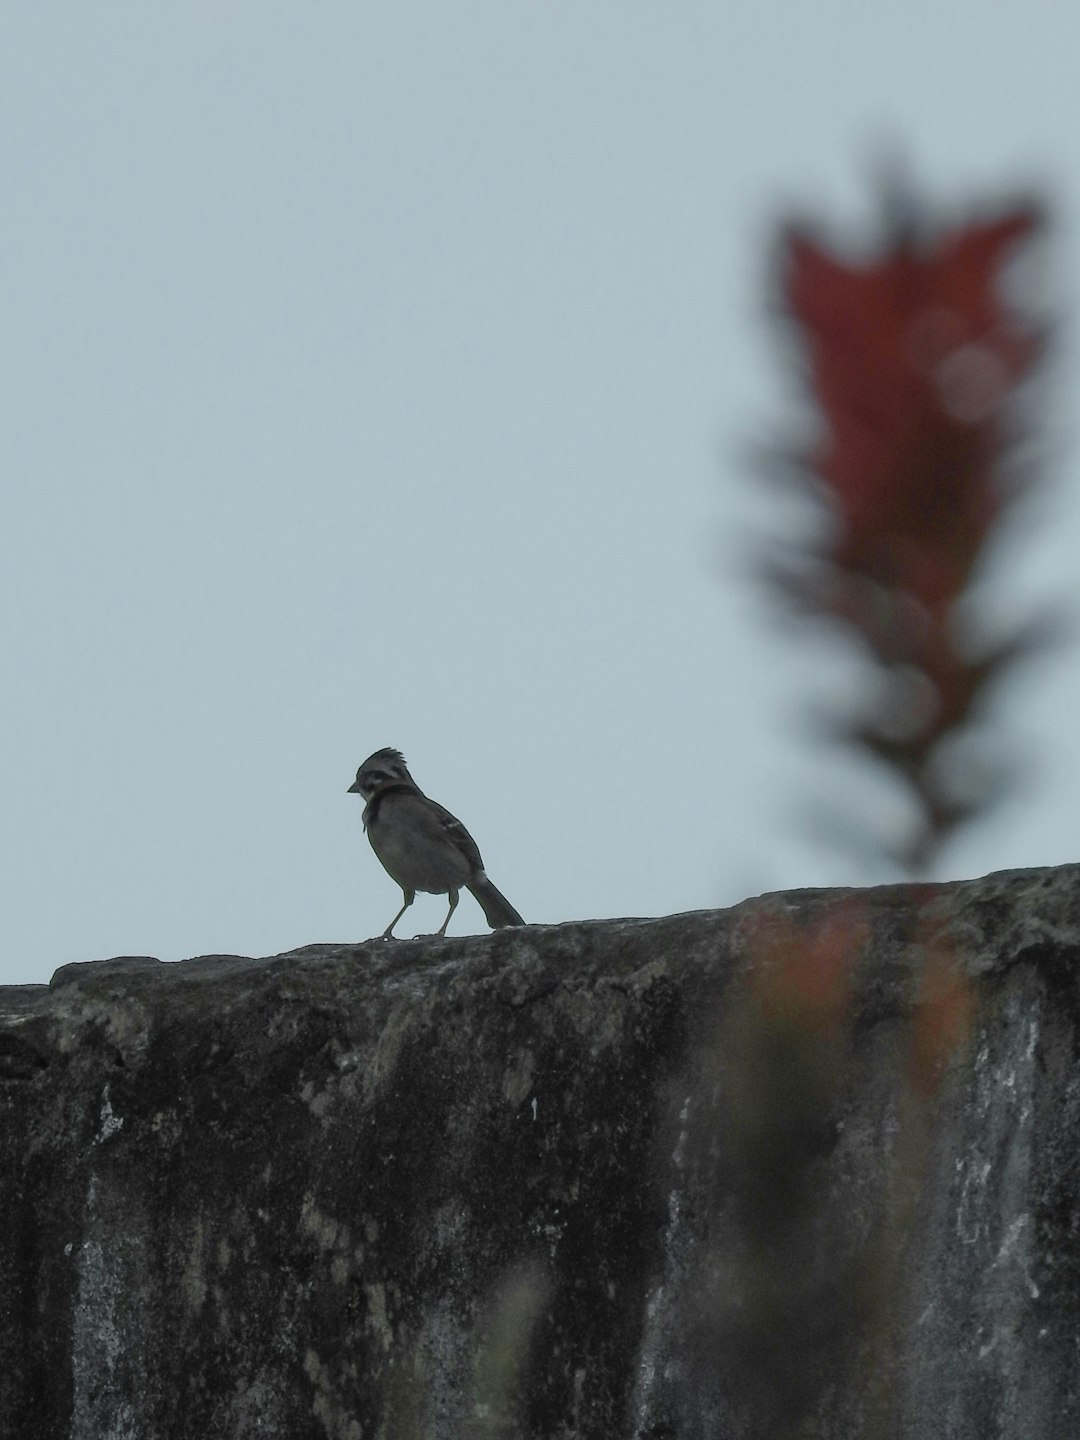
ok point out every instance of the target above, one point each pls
(420, 844)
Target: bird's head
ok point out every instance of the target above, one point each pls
(385, 767)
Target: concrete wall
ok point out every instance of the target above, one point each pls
(755, 1172)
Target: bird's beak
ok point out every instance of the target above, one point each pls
(354, 788)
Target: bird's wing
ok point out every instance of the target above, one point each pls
(452, 827)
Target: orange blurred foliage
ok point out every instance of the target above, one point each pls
(942, 1020)
(804, 978)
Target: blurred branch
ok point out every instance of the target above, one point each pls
(915, 365)
(797, 1301)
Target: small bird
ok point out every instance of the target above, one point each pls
(420, 844)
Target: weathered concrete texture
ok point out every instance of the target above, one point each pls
(526, 1185)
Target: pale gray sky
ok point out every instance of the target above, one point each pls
(380, 374)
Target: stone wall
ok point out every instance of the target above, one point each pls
(588, 1180)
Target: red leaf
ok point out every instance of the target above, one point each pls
(913, 359)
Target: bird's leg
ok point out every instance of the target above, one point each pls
(410, 896)
(453, 906)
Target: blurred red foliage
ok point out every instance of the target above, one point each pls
(942, 1021)
(804, 978)
(915, 364)
(913, 360)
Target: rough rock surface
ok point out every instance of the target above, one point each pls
(511, 1185)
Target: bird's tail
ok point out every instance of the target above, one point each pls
(497, 909)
